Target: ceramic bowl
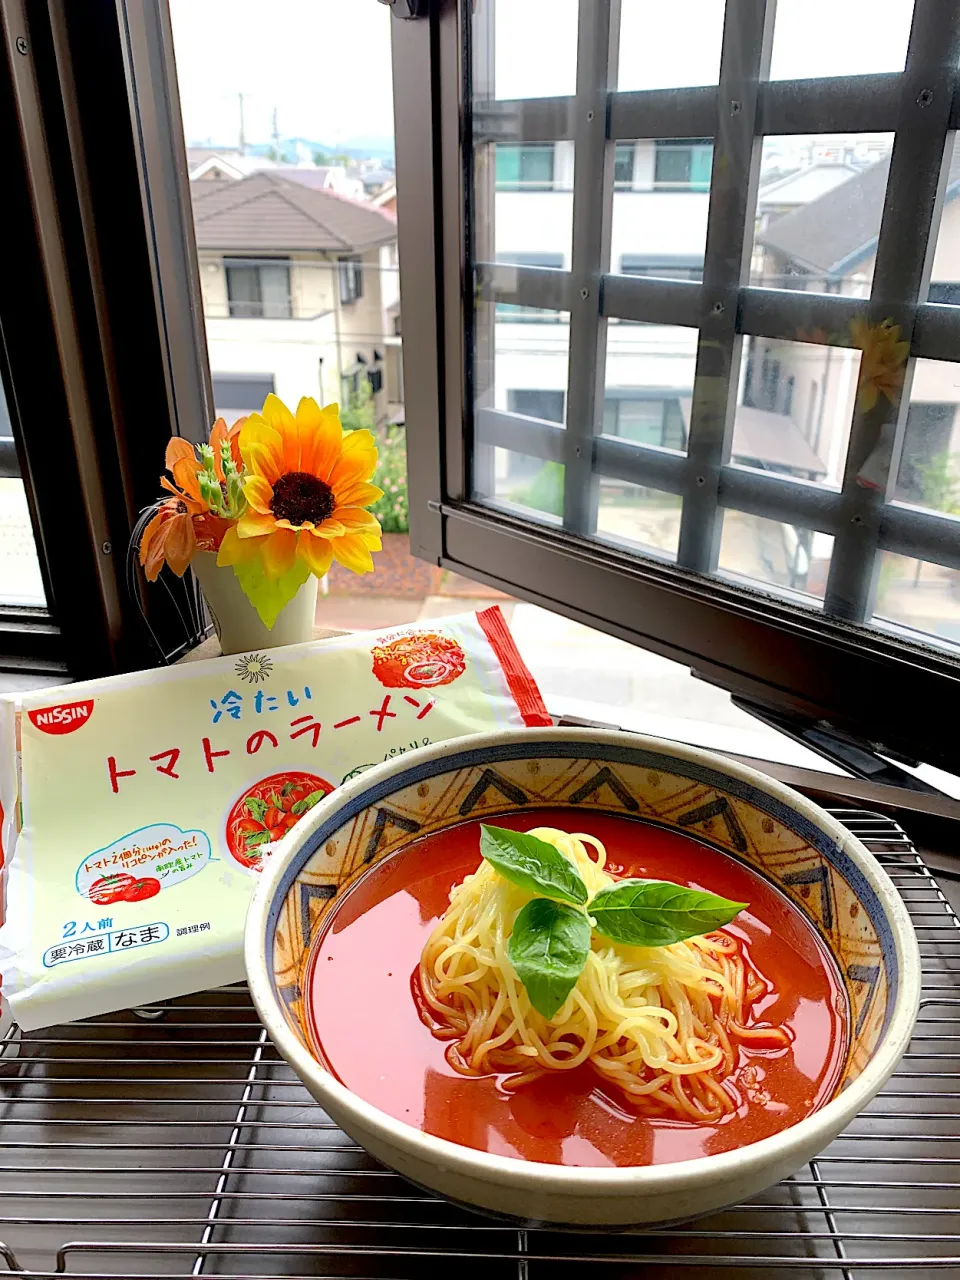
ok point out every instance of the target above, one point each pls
(829, 875)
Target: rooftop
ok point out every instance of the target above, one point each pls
(832, 232)
(267, 212)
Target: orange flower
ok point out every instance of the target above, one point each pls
(184, 523)
(306, 487)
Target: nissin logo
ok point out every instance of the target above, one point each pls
(64, 718)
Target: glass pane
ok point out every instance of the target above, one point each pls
(646, 520)
(665, 46)
(660, 202)
(913, 593)
(520, 29)
(945, 274)
(794, 408)
(523, 204)
(929, 473)
(819, 207)
(649, 383)
(20, 580)
(839, 37)
(779, 556)
(530, 486)
(280, 155)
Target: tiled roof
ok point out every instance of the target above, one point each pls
(833, 231)
(266, 213)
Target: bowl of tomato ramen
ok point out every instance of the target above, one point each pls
(582, 977)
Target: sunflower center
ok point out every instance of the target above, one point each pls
(299, 496)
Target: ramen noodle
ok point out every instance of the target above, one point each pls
(661, 1024)
(137, 810)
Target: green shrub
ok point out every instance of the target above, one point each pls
(392, 510)
(545, 491)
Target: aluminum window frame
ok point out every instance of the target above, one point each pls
(766, 648)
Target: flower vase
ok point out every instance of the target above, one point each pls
(238, 624)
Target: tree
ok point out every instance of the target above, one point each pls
(321, 159)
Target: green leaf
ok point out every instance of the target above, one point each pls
(287, 788)
(654, 913)
(256, 837)
(256, 807)
(268, 596)
(532, 864)
(307, 802)
(548, 948)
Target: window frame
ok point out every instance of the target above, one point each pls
(761, 647)
(265, 307)
(350, 277)
(112, 391)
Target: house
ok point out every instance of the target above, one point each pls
(327, 177)
(829, 246)
(206, 164)
(300, 293)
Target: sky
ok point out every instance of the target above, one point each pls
(325, 64)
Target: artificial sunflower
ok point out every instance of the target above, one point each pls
(882, 363)
(306, 486)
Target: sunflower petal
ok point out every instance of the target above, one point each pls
(321, 437)
(177, 450)
(330, 528)
(358, 461)
(253, 524)
(237, 550)
(259, 493)
(316, 553)
(356, 520)
(358, 495)
(261, 448)
(278, 553)
(352, 554)
(276, 414)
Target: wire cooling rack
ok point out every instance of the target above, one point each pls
(180, 1144)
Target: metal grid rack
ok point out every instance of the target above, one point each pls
(178, 1143)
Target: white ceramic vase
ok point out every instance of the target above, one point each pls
(237, 622)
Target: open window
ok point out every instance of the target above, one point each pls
(756, 472)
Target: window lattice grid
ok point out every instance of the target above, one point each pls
(920, 107)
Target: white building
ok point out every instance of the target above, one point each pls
(300, 293)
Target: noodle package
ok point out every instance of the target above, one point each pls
(137, 810)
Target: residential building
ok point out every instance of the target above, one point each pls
(299, 293)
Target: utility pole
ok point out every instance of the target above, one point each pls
(243, 136)
(276, 136)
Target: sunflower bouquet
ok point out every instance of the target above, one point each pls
(278, 496)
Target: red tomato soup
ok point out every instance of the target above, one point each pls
(367, 1029)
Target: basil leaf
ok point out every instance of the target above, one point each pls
(548, 948)
(307, 802)
(256, 807)
(532, 864)
(654, 913)
(255, 838)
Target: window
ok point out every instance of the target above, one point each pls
(235, 394)
(524, 168)
(258, 290)
(623, 164)
(683, 165)
(666, 266)
(643, 418)
(536, 404)
(351, 279)
(773, 432)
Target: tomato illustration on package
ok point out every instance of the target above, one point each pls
(136, 811)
